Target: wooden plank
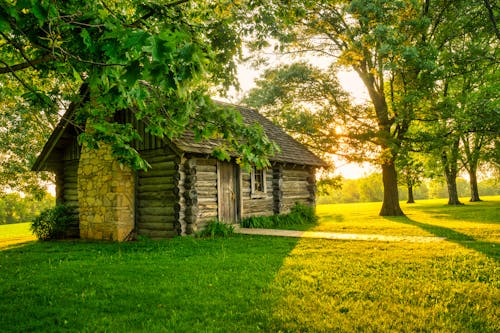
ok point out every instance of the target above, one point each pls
(156, 219)
(205, 161)
(212, 169)
(161, 195)
(157, 234)
(154, 203)
(165, 226)
(295, 173)
(157, 173)
(155, 188)
(156, 211)
(155, 180)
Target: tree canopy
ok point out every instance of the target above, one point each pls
(399, 49)
(160, 59)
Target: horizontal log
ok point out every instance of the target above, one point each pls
(292, 194)
(161, 195)
(156, 226)
(155, 219)
(70, 186)
(295, 173)
(206, 169)
(71, 191)
(71, 178)
(72, 197)
(295, 186)
(206, 182)
(205, 161)
(155, 180)
(154, 173)
(155, 188)
(154, 203)
(207, 192)
(159, 158)
(208, 199)
(156, 211)
(156, 234)
(207, 206)
(295, 178)
(167, 165)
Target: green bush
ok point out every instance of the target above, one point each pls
(217, 229)
(299, 215)
(52, 223)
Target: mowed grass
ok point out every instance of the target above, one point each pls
(15, 234)
(268, 284)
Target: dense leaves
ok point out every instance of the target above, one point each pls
(408, 55)
(160, 59)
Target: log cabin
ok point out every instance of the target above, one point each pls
(185, 188)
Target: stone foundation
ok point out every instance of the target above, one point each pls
(105, 196)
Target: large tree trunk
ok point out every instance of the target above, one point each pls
(451, 182)
(390, 206)
(410, 194)
(450, 165)
(474, 191)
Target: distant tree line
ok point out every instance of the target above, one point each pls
(370, 189)
(15, 208)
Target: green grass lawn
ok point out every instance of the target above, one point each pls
(15, 234)
(269, 284)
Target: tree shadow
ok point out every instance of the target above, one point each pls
(490, 249)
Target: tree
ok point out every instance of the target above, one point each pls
(464, 116)
(411, 173)
(23, 132)
(303, 100)
(382, 41)
(161, 60)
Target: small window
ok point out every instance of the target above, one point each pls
(258, 181)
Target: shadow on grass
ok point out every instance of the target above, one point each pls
(490, 249)
(183, 284)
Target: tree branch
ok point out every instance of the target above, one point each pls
(492, 17)
(28, 64)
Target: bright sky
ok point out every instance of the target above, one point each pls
(349, 81)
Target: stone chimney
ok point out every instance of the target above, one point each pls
(105, 196)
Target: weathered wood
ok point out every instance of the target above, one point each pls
(293, 186)
(157, 173)
(156, 219)
(155, 188)
(68, 198)
(161, 195)
(158, 155)
(157, 234)
(210, 169)
(155, 211)
(204, 161)
(294, 178)
(154, 203)
(155, 180)
(163, 165)
(295, 173)
(206, 182)
(165, 226)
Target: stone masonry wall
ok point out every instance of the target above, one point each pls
(105, 196)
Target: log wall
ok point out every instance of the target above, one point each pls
(67, 193)
(297, 187)
(206, 189)
(256, 204)
(157, 195)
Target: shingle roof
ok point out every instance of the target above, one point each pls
(291, 151)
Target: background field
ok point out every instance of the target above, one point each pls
(270, 284)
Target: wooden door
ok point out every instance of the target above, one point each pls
(228, 190)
